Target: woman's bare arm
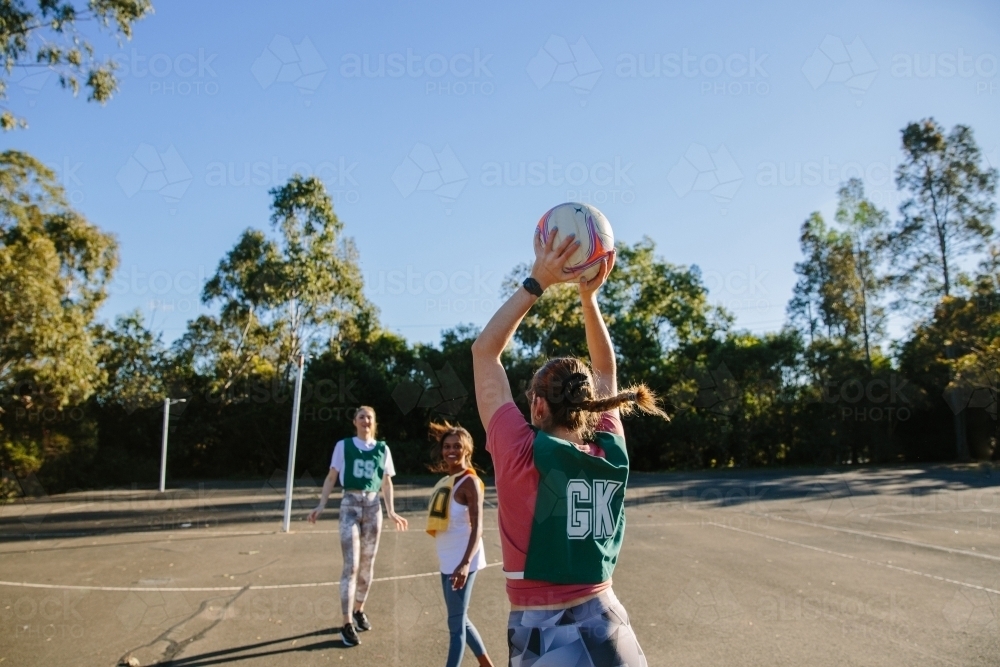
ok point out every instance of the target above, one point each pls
(492, 386)
(331, 479)
(470, 495)
(602, 352)
(390, 507)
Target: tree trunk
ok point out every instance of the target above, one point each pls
(996, 438)
(961, 438)
(961, 435)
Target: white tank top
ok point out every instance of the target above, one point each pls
(452, 543)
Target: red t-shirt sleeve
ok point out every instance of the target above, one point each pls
(508, 440)
(609, 423)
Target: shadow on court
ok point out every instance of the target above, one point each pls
(884, 565)
(740, 487)
(253, 506)
(239, 654)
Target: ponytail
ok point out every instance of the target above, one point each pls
(567, 385)
(637, 396)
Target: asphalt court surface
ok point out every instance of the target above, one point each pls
(884, 566)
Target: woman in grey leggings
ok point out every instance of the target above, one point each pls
(363, 466)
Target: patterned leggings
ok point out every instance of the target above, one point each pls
(593, 634)
(360, 528)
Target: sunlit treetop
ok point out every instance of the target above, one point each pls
(48, 34)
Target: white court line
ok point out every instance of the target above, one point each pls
(878, 536)
(857, 558)
(208, 589)
(882, 517)
(955, 511)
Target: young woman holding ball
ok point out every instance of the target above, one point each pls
(455, 520)
(363, 466)
(560, 479)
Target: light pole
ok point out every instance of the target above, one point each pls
(167, 402)
(290, 479)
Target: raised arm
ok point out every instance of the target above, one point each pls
(492, 386)
(602, 352)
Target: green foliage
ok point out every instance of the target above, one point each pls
(650, 305)
(55, 266)
(134, 362)
(47, 34)
(296, 294)
(83, 401)
(949, 210)
(841, 280)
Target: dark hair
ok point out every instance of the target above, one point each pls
(437, 433)
(567, 385)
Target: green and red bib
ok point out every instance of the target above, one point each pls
(363, 470)
(579, 520)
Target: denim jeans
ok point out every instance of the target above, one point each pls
(461, 628)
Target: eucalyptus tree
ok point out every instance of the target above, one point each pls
(55, 267)
(295, 291)
(52, 35)
(947, 216)
(949, 209)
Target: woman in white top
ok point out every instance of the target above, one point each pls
(363, 466)
(460, 546)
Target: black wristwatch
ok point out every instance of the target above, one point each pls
(532, 286)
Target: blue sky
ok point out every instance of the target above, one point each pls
(714, 128)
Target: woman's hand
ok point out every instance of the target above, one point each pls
(590, 287)
(315, 514)
(459, 576)
(550, 261)
(401, 523)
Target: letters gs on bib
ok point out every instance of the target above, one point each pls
(588, 508)
(363, 469)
